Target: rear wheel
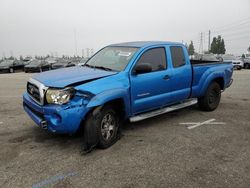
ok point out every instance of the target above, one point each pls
(101, 128)
(211, 99)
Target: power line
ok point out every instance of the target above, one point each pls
(245, 24)
(239, 22)
(237, 38)
(233, 32)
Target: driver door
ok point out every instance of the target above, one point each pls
(151, 90)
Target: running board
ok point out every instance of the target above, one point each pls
(186, 103)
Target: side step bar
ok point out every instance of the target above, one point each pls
(186, 103)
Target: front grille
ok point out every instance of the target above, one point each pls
(33, 91)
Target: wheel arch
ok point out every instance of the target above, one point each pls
(220, 81)
(216, 77)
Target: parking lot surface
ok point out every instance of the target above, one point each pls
(159, 152)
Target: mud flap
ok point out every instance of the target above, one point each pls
(91, 139)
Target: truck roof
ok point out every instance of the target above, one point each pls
(140, 44)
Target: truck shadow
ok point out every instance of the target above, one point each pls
(163, 118)
(36, 136)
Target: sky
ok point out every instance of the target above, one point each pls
(69, 27)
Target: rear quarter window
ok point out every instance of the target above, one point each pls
(178, 58)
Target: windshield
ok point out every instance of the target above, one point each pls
(6, 63)
(35, 62)
(113, 58)
(229, 57)
(83, 60)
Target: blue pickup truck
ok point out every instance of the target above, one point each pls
(134, 80)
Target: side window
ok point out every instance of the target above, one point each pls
(155, 57)
(178, 58)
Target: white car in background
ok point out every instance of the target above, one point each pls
(237, 62)
(246, 61)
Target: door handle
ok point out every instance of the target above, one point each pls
(166, 77)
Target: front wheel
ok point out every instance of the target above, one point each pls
(211, 99)
(101, 128)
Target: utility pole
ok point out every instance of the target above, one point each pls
(92, 51)
(83, 53)
(209, 34)
(75, 42)
(11, 53)
(201, 44)
(87, 52)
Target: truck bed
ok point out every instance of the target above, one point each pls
(202, 72)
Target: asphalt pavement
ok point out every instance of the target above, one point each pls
(185, 148)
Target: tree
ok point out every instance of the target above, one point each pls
(191, 48)
(222, 48)
(218, 45)
(214, 46)
(248, 49)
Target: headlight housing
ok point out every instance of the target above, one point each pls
(59, 96)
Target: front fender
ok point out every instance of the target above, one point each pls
(110, 95)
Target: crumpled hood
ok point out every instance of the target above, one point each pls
(69, 76)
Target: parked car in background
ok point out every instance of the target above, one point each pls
(246, 60)
(62, 63)
(37, 66)
(205, 58)
(11, 66)
(237, 62)
(51, 60)
(27, 59)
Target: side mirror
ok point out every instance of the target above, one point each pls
(142, 68)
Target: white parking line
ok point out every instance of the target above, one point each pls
(197, 124)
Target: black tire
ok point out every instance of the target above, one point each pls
(211, 99)
(99, 130)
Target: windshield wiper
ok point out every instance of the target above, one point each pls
(99, 67)
(104, 68)
(87, 65)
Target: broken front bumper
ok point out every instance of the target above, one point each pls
(56, 118)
